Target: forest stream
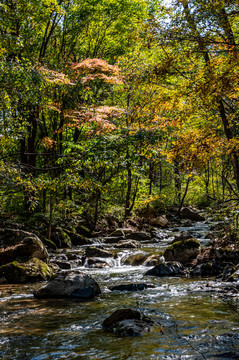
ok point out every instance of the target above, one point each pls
(195, 320)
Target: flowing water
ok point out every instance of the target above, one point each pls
(195, 320)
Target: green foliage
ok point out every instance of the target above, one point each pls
(111, 106)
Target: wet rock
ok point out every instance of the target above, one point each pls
(113, 239)
(128, 244)
(64, 284)
(29, 247)
(96, 263)
(191, 214)
(64, 265)
(154, 260)
(83, 230)
(139, 235)
(184, 235)
(209, 268)
(131, 287)
(227, 255)
(135, 259)
(31, 271)
(78, 239)
(159, 234)
(96, 252)
(72, 256)
(166, 269)
(61, 238)
(83, 294)
(62, 257)
(128, 322)
(183, 251)
(160, 221)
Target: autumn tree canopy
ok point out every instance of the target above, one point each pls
(111, 107)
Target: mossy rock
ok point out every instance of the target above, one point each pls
(185, 244)
(61, 238)
(84, 230)
(49, 244)
(77, 239)
(28, 248)
(183, 251)
(33, 270)
(227, 255)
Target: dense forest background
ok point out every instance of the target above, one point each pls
(110, 108)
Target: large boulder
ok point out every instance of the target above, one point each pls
(191, 214)
(209, 268)
(166, 269)
(227, 255)
(93, 251)
(31, 271)
(183, 251)
(154, 260)
(112, 239)
(160, 221)
(96, 263)
(11, 237)
(78, 239)
(135, 259)
(127, 322)
(139, 235)
(30, 247)
(184, 235)
(69, 284)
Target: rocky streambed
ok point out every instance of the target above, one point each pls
(189, 317)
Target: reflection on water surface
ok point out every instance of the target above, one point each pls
(194, 321)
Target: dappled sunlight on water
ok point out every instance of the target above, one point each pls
(194, 320)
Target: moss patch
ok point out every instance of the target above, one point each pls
(31, 271)
(185, 244)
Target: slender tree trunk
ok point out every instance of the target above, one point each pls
(128, 192)
(184, 195)
(97, 205)
(51, 204)
(177, 181)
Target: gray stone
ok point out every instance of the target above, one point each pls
(128, 322)
(31, 271)
(28, 248)
(135, 259)
(65, 284)
(166, 269)
(160, 221)
(183, 251)
(96, 252)
(190, 214)
(113, 239)
(184, 235)
(139, 235)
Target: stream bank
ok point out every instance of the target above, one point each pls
(197, 317)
